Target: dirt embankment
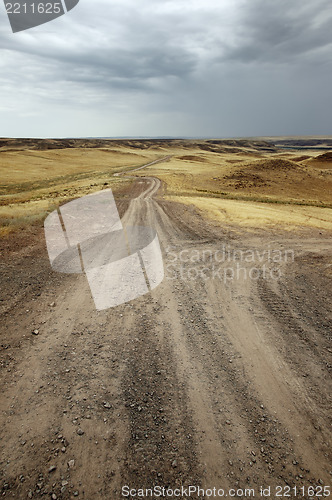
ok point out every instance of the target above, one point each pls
(208, 380)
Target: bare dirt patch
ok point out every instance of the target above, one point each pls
(206, 381)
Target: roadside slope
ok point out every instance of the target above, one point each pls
(218, 382)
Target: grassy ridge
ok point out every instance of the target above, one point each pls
(36, 177)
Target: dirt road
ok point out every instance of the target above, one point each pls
(218, 378)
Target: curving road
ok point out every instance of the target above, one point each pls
(207, 380)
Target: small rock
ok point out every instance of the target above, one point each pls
(174, 463)
(35, 332)
(76, 493)
(107, 405)
(54, 497)
(80, 432)
(71, 464)
(52, 468)
(52, 304)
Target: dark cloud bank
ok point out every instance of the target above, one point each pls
(175, 68)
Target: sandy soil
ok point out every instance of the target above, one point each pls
(206, 381)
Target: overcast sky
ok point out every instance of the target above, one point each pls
(209, 68)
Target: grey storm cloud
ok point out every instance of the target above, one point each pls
(174, 67)
(282, 31)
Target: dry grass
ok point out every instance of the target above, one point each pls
(243, 184)
(269, 177)
(252, 189)
(37, 168)
(33, 183)
(33, 206)
(256, 215)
